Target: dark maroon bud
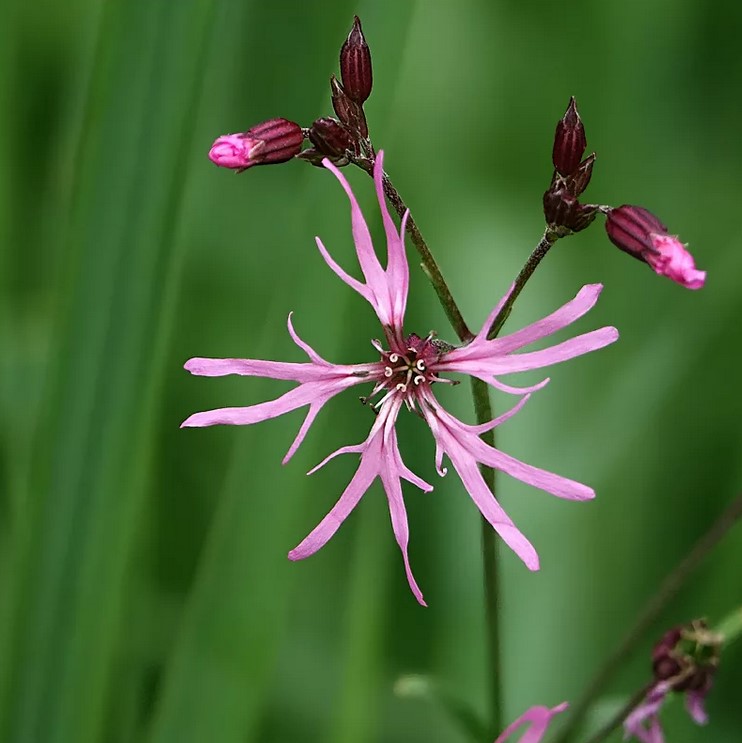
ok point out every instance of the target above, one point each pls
(330, 137)
(347, 110)
(355, 64)
(562, 210)
(665, 668)
(631, 228)
(267, 143)
(569, 141)
(579, 180)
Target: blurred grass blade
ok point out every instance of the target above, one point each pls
(97, 423)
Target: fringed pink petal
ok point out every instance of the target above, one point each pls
(569, 349)
(538, 717)
(308, 350)
(353, 283)
(254, 368)
(466, 467)
(398, 513)
(314, 409)
(323, 532)
(572, 311)
(353, 449)
(484, 427)
(481, 336)
(291, 400)
(372, 270)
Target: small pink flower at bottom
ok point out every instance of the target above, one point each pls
(539, 717)
(684, 661)
(403, 375)
(639, 233)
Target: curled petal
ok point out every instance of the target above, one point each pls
(481, 336)
(484, 427)
(695, 704)
(308, 350)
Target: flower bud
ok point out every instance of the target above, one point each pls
(267, 143)
(355, 64)
(579, 180)
(347, 110)
(331, 138)
(563, 210)
(640, 234)
(569, 141)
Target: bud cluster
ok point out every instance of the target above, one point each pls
(347, 136)
(278, 140)
(687, 657)
(564, 213)
(631, 228)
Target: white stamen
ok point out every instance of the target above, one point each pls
(394, 357)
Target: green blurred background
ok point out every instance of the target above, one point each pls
(145, 590)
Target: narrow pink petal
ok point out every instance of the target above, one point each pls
(481, 336)
(569, 349)
(484, 427)
(518, 362)
(314, 409)
(557, 485)
(361, 237)
(564, 316)
(475, 485)
(291, 400)
(253, 368)
(398, 515)
(694, 703)
(458, 435)
(354, 449)
(323, 532)
(480, 370)
(308, 350)
(397, 268)
(539, 717)
(404, 471)
(362, 289)
(306, 394)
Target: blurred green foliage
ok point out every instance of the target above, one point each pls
(145, 593)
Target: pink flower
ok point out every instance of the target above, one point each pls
(639, 233)
(683, 661)
(270, 142)
(539, 717)
(644, 722)
(403, 376)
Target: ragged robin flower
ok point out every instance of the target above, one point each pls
(404, 375)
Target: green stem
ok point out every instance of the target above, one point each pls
(539, 252)
(730, 628)
(483, 411)
(650, 613)
(617, 720)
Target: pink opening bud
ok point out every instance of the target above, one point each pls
(639, 233)
(267, 143)
(569, 141)
(355, 64)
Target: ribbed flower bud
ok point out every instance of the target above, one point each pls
(347, 110)
(580, 179)
(330, 137)
(563, 210)
(355, 64)
(640, 234)
(267, 143)
(569, 141)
